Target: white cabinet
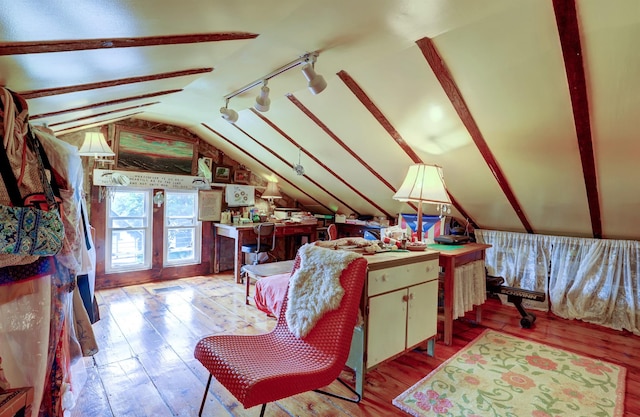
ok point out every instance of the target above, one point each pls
(400, 304)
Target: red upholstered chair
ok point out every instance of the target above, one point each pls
(332, 232)
(286, 364)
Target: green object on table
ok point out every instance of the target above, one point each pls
(436, 246)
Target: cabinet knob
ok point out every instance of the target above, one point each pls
(405, 298)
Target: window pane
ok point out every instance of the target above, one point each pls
(180, 204)
(127, 223)
(127, 248)
(128, 204)
(181, 244)
(174, 222)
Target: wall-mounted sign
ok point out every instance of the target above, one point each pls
(110, 178)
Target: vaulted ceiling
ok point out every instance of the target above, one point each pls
(528, 105)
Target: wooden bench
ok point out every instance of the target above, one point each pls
(264, 270)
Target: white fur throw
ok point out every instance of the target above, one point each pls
(314, 288)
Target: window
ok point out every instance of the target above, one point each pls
(182, 230)
(128, 231)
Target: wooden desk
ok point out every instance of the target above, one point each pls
(242, 234)
(448, 261)
(16, 402)
(399, 307)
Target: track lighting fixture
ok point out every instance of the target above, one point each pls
(263, 101)
(228, 114)
(316, 84)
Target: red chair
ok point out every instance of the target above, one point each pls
(286, 364)
(332, 232)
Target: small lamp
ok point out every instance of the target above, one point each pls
(95, 145)
(271, 192)
(423, 184)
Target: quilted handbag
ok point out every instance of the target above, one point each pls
(30, 226)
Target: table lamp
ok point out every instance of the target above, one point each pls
(423, 184)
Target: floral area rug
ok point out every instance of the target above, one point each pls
(502, 375)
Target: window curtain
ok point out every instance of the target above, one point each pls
(521, 259)
(594, 280)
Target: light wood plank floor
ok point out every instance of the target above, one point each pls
(147, 333)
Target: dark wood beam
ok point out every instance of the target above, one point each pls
(277, 155)
(450, 87)
(386, 124)
(378, 115)
(38, 47)
(319, 162)
(569, 32)
(98, 123)
(112, 83)
(250, 156)
(102, 104)
(92, 116)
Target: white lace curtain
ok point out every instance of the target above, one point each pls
(595, 280)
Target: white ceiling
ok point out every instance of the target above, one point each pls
(504, 56)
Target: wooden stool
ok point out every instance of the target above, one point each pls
(264, 270)
(16, 402)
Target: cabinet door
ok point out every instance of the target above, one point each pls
(422, 318)
(387, 325)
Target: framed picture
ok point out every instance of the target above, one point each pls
(221, 173)
(209, 205)
(241, 176)
(142, 150)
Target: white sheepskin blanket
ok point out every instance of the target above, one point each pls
(314, 288)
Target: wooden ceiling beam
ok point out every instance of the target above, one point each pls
(569, 32)
(284, 161)
(450, 87)
(101, 114)
(313, 117)
(39, 47)
(112, 83)
(250, 156)
(103, 104)
(395, 135)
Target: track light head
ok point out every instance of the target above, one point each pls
(263, 101)
(317, 83)
(229, 115)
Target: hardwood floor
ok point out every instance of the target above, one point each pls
(147, 333)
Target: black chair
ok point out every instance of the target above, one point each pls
(265, 241)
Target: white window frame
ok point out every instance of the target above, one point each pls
(147, 226)
(197, 232)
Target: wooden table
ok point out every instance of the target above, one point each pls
(449, 259)
(242, 234)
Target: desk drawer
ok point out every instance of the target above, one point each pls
(390, 279)
(294, 230)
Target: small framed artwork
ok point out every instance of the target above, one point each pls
(241, 176)
(221, 173)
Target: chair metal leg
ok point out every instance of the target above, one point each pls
(204, 398)
(264, 407)
(353, 400)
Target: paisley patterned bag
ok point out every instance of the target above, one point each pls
(32, 226)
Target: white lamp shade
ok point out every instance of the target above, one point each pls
(425, 184)
(95, 145)
(272, 191)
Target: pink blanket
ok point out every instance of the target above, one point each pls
(270, 292)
